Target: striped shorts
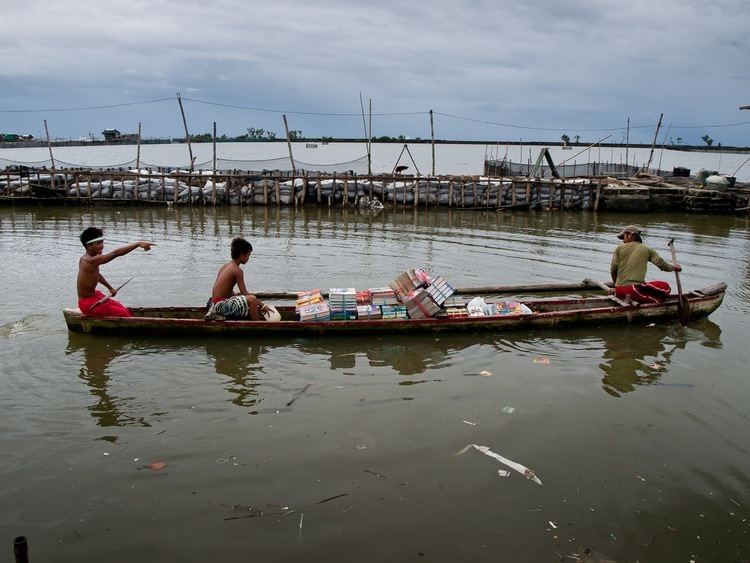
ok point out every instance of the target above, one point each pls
(234, 307)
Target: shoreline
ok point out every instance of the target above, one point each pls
(39, 143)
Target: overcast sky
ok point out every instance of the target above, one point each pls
(570, 67)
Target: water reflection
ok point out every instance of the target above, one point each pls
(631, 356)
(240, 361)
(407, 356)
(108, 410)
(639, 355)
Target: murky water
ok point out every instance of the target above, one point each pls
(345, 449)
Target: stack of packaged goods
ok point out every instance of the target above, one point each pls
(383, 296)
(440, 290)
(364, 297)
(394, 312)
(343, 303)
(455, 306)
(305, 298)
(369, 312)
(310, 306)
(315, 312)
(409, 281)
(420, 305)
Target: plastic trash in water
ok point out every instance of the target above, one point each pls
(485, 373)
(522, 469)
(508, 410)
(540, 360)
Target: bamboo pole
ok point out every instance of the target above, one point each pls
(627, 141)
(367, 136)
(51, 158)
(138, 150)
(289, 144)
(653, 144)
(562, 287)
(213, 176)
(369, 144)
(187, 134)
(432, 134)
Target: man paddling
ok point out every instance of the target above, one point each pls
(628, 269)
(90, 300)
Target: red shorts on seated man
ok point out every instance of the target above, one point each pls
(628, 269)
(655, 291)
(108, 308)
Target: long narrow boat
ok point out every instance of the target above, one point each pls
(545, 313)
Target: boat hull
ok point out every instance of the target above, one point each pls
(549, 313)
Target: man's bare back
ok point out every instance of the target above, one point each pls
(230, 274)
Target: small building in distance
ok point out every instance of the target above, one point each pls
(14, 137)
(113, 135)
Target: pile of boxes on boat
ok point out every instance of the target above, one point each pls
(412, 295)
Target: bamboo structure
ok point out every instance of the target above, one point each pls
(501, 193)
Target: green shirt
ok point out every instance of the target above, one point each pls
(630, 260)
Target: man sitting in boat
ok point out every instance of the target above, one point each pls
(225, 304)
(628, 269)
(91, 301)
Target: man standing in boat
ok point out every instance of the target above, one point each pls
(91, 301)
(227, 304)
(628, 269)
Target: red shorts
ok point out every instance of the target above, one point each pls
(110, 308)
(646, 292)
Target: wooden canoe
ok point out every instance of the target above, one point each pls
(545, 313)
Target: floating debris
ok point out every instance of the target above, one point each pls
(485, 373)
(508, 410)
(540, 360)
(523, 470)
(334, 497)
(298, 395)
(469, 422)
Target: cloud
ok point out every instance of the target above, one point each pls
(581, 64)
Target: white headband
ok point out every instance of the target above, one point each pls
(93, 240)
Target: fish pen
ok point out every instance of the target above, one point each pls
(280, 188)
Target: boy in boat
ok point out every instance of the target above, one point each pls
(628, 269)
(91, 301)
(224, 302)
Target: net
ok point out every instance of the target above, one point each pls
(357, 166)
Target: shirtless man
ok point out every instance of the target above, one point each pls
(92, 240)
(224, 302)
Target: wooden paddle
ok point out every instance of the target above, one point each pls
(683, 305)
(607, 289)
(108, 297)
